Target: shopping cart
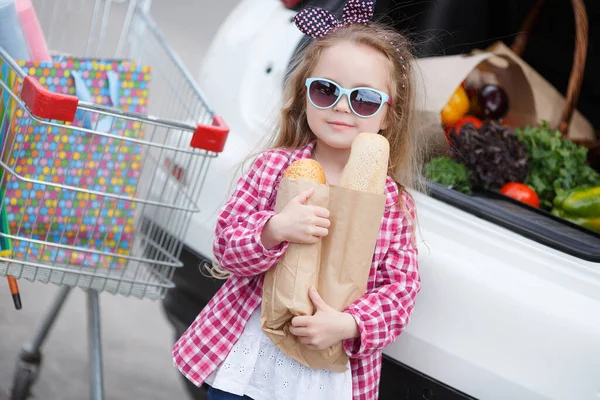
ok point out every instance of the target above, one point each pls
(175, 149)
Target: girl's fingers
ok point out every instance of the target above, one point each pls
(323, 222)
(320, 232)
(301, 321)
(299, 331)
(320, 212)
(312, 240)
(306, 341)
(304, 196)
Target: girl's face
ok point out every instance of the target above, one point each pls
(349, 65)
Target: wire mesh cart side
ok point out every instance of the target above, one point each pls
(95, 196)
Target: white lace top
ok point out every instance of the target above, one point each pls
(255, 367)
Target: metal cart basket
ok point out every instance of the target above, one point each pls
(175, 140)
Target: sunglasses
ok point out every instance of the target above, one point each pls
(364, 101)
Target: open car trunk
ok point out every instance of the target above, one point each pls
(532, 223)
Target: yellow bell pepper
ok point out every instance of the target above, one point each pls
(456, 108)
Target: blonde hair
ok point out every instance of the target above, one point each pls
(407, 145)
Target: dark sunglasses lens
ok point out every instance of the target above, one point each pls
(323, 93)
(365, 102)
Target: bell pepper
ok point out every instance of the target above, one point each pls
(456, 108)
(458, 125)
(579, 202)
(580, 206)
(591, 223)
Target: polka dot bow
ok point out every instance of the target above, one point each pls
(317, 22)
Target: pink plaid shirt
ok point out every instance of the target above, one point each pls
(381, 314)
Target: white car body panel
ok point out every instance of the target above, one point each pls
(499, 316)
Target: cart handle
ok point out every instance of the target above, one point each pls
(211, 137)
(62, 107)
(46, 104)
(41, 102)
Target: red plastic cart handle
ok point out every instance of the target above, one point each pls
(46, 104)
(62, 107)
(211, 137)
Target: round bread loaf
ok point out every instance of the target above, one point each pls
(306, 168)
(367, 167)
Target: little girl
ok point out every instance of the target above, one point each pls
(355, 76)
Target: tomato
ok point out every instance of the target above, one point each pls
(467, 118)
(456, 108)
(522, 193)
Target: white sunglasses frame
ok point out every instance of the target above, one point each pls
(385, 98)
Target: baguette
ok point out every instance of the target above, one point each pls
(367, 167)
(306, 168)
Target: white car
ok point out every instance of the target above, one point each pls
(510, 299)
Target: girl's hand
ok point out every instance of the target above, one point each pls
(297, 223)
(324, 329)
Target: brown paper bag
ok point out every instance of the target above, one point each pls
(291, 278)
(549, 102)
(438, 78)
(342, 271)
(531, 98)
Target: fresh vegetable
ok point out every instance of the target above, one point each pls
(449, 173)
(591, 223)
(456, 108)
(493, 154)
(493, 102)
(522, 193)
(555, 163)
(467, 119)
(580, 206)
(579, 202)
